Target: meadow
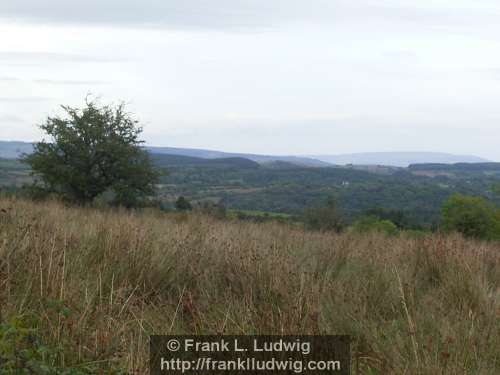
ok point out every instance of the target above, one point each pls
(83, 288)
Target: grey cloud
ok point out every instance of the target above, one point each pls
(241, 14)
(174, 13)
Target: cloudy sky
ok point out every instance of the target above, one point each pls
(263, 76)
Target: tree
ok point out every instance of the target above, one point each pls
(93, 150)
(397, 217)
(496, 189)
(472, 216)
(215, 209)
(182, 204)
(374, 224)
(325, 218)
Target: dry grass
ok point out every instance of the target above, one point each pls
(414, 306)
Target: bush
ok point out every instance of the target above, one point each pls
(22, 351)
(182, 204)
(325, 218)
(474, 217)
(373, 224)
(398, 217)
(217, 210)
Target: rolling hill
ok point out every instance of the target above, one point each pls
(210, 154)
(13, 149)
(398, 159)
(166, 160)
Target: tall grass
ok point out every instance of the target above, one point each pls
(99, 282)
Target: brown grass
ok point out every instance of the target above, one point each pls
(413, 305)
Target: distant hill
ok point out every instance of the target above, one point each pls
(210, 154)
(459, 170)
(165, 160)
(12, 150)
(458, 167)
(278, 164)
(398, 159)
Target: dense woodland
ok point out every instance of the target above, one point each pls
(417, 192)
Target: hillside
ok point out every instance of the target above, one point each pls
(282, 187)
(398, 159)
(165, 160)
(291, 189)
(12, 150)
(210, 154)
(98, 283)
(459, 169)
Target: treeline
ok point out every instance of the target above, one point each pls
(473, 217)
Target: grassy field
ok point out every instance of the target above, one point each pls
(92, 285)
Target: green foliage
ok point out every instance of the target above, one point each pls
(397, 217)
(411, 198)
(374, 224)
(496, 189)
(217, 210)
(22, 351)
(293, 189)
(472, 216)
(93, 150)
(325, 218)
(182, 204)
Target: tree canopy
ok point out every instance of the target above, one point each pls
(182, 204)
(93, 150)
(324, 218)
(472, 216)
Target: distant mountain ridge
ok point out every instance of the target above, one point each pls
(211, 154)
(12, 150)
(399, 159)
(168, 160)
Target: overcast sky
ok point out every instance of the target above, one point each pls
(263, 76)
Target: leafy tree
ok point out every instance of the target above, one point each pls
(182, 204)
(93, 150)
(472, 216)
(397, 217)
(374, 224)
(496, 189)
(326, 218)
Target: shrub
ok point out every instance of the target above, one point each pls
(474, 217)
(373, 224)
(217, 210)
(182, 204)
(22, 351)
(326, 218)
